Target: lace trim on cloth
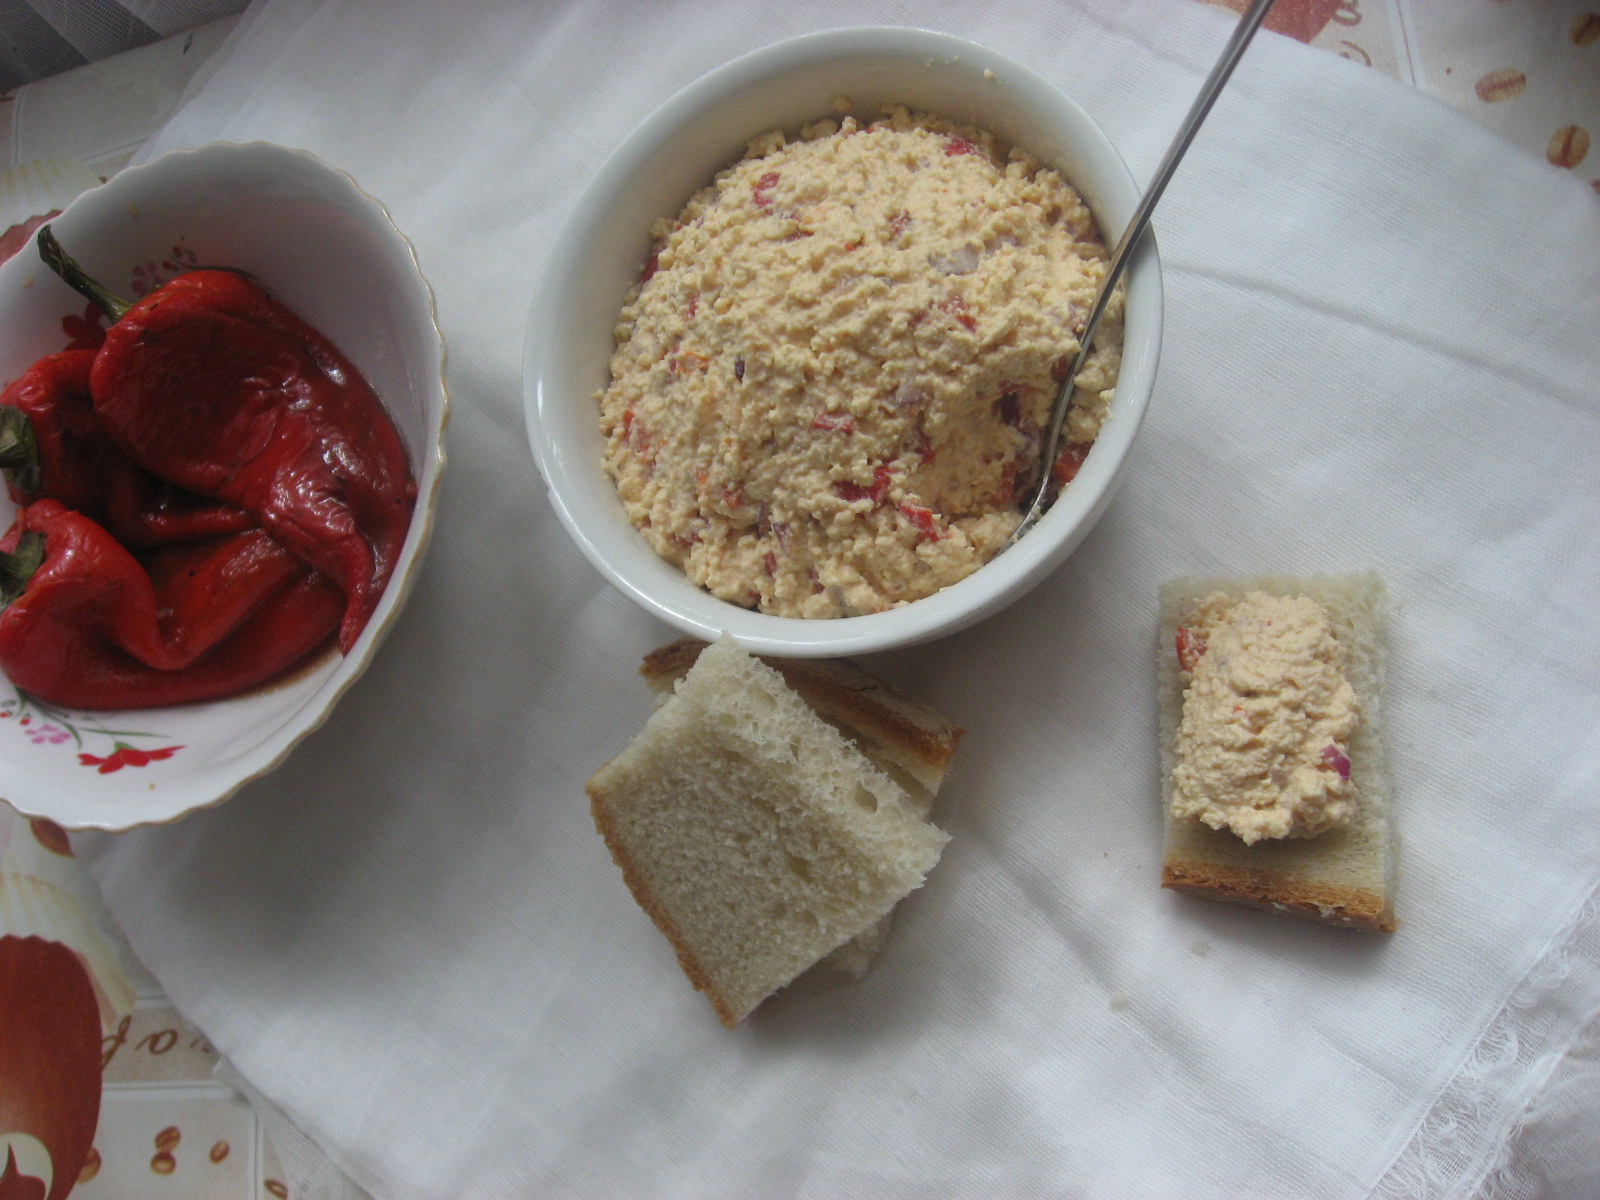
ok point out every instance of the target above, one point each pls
(1517, 1122)
(1500, 1129)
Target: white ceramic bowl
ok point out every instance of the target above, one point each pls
(675, 152)
(329, 251)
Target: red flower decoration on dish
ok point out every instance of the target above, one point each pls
(124, 755)
(85, 331)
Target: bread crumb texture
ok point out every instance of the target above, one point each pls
(827, 390)
(755, 835)
(1263, 749)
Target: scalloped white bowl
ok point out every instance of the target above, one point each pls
(674, 153)
(330, 252)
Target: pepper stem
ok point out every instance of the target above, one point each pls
(73, 275)
(17, 567)
(19, 452)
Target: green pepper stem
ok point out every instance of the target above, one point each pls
(19, 451)
(17, 567)
(58, 261)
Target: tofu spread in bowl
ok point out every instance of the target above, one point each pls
(792, 354)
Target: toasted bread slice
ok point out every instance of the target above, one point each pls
(755, 835)
(1344, 876)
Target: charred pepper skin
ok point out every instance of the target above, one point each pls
(211, 384)
(92, 628)
(71, 459)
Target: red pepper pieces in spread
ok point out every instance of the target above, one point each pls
(55, 446)
(87, 626)
(1190, 649)
(211, 384)
(1070, 461)
(850, 491)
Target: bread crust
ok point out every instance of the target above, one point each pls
(1342, 877)
(646, 898)
(1352, 908)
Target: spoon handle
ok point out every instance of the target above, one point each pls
(1242, 33)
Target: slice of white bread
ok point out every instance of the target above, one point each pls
(907, 741)
(1344, 876)
(753, 833)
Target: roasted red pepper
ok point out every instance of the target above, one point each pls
(52, 445)
(212, 385)
(87, 626)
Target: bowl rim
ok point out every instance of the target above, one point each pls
(431, 458)
(986, 590)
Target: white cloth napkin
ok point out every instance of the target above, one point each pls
(1380, 352)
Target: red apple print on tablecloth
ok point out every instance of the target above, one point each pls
(15, 1184)
(50, 835)
(49, 1066)
(1302, 20)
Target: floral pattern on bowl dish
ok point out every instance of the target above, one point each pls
(46, 725)
(330, 252)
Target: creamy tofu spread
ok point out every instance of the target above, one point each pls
(828, 387)
(1268, 715)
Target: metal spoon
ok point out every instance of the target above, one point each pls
(1243, 32)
